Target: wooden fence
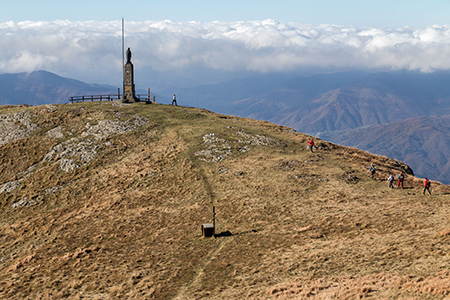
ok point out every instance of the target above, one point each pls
(93, 98)
(142, 97)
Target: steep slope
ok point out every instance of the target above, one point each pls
(343, 115)
(422, 142)
(102, 200)
(346, 108)
(41, 87)
(324, 104)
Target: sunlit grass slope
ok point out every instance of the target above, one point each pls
(291, 224)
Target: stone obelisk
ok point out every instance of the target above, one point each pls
(129, 93)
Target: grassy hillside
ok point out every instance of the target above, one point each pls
(423, 142)
(105, 201)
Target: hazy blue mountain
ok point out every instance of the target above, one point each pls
(421, 142)
(42, 87)
(220, 96)
(346, 108)
(264, 96)
(371, 111)
(373, 100)
(396, 114)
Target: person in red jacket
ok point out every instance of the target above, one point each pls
(426, 186)
(311, 145)
(401, 178)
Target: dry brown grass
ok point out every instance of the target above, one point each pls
(127, 225)
(378, 286)
(445, 232)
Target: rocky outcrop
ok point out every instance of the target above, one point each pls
(80, 150)
(218, 149)
(15, 126)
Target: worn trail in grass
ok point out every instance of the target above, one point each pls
(125, 222)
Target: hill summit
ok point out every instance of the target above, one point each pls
(106, 201)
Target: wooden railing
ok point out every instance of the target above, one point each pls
(94, 98)
(142, 97)
(147, 98)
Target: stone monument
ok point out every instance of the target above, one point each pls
(129, 93)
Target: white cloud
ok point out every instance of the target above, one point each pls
(92, 50)
(25, 61)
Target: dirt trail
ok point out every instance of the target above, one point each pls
(183, 293)
(125, 224)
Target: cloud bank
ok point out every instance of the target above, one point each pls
(92, 50)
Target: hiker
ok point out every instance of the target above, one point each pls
(401, 178)
(311, 145)
(174, 100)
(426, 186)
(372, 170)
(391, 181)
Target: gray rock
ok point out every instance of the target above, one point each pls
(55, 133)
(78, 151)
(23, 202)
(218, 149)
(105, 128)
(211, 139)
(26, 173)
(255, 140)
(15, 126)
(9, 187)
(67, 165)
(53, 189)
(244, 149)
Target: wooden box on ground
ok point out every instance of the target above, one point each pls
(207, 230)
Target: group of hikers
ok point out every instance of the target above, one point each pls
(400, 180)
(391, 178)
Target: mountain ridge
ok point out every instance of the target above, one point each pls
(322, 104)
(106, 200)
(421, 141)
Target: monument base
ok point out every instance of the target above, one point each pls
(129, 100)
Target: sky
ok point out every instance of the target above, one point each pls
(82, 39)
(370, 13)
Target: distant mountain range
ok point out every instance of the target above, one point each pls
(373, 100)
(41, 87)
(403, 115)
(423, 142)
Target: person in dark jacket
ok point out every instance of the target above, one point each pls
(426, 186)
(372, 170)
(174, 100)
(391, 181)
